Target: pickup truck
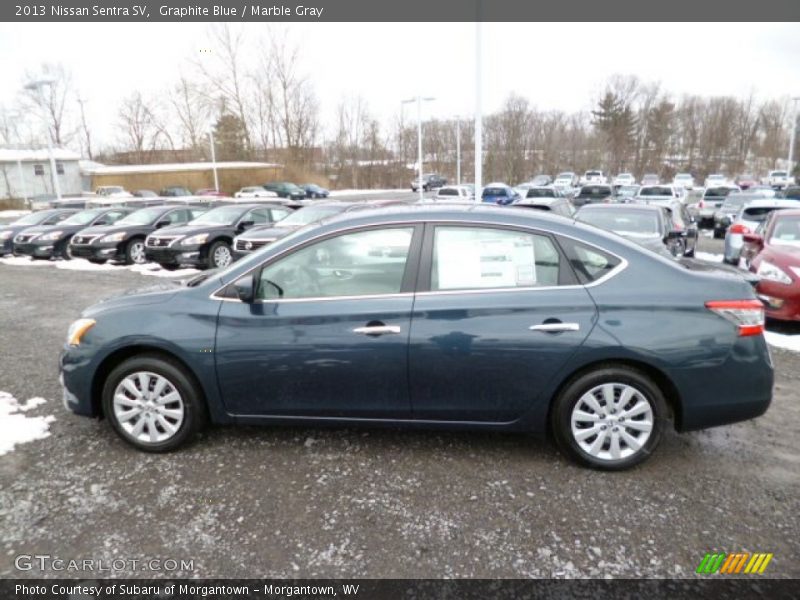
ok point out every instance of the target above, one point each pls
(429, 182)
(592, 177)
(779, 179)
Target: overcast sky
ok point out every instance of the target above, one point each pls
(555, 65)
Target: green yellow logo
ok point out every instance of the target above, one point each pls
(734, 563)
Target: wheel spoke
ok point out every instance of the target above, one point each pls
(581, 416)
(626, 396)
(123, 400)
(127, 415)
(598, 443)
(137, 428)
(614, 448)
(161, 383)
(588, 432)
(131, 387)
(631, 441)
(151, 428)
(588, 398)
(144, 382)
(608, 395)
(643, 426)
(169, 398)
(169, 428)
(637, 409)
(170, 413)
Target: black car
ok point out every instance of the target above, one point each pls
(206, 241)
(42, 217)
(124, 240)
(314, 191)
(174, 191)
(46, 241)
(285, 189)
(591, 194)
(429, 182)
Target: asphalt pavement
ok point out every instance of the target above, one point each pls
(310, 502)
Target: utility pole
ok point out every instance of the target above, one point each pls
(458, 151)
(37, 86)
(478, 114)
(792, 136)
(213, 159)
(419, 100)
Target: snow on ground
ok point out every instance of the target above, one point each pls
(782, 340)
(17, 428)
(706, 233)
(79, 264)
(22, 261)
(156, 271)
(336, 193)
(708, 256)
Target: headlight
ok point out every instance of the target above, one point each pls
(6, 234)
(772, 272)
(78, 329)
(114, 237)
(195, 240)
(53, 235)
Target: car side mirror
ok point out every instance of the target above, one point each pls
(246, 224)
(753, 238)
(163, 223)
(245, 289)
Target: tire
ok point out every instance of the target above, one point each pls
(718, 233)
(97, 261)
(216, 254)
(646, 398)
(180, 396)
(63, 250)
(134, 252)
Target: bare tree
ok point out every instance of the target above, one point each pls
(193, 111)
(53, 101)
(86, 134)
(138, 126)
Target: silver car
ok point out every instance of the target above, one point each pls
(749, 218)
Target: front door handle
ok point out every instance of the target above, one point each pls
(377, 329)
(555, 327)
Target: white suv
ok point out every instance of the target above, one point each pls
(779, 179)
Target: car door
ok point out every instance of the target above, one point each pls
(498, 313)
(327, 335)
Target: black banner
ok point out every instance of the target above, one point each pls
(397, 589)
(396, 10)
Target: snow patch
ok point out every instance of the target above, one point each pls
(781, 340)
(707, 256)
(156, 271)
(80, 264)
(22, 261)
(16, 428)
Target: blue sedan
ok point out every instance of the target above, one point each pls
(472, 317)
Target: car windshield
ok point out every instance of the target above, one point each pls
(633, 223)
(717, 192)
(786, 232)
(141, 217)
(540, 193)
(592, 173)
(683, 176)
(81, 218)
(225, 215)
(595, 191)
(627, 190)
(310, 214)
(655, 191)
(32, 219)
(779, 173)
(494, 191)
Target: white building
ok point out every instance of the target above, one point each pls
(25, 172)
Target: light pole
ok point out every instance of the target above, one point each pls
(213, 159)
(478, 114)
(458, 150)
(419, 100)
(36, 86)
(792, 135)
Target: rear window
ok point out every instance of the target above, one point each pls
(495, 191)
(588, 262)
(717, 192)
(448, 192)
(757, 214)
(595, 190)
(656, 191)
(540, 193)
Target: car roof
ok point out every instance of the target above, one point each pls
(540, 200)
(760, 202)
(642, 207)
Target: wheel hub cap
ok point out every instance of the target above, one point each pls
(148, 407)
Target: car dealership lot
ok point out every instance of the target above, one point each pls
(298, 502)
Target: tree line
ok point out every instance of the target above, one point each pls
(259, 104)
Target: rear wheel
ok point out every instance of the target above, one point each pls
(152, 403)
(134, 252)
(611, 418)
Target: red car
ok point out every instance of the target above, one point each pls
(776, 260)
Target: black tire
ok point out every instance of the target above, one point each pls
(63, 251)
(563, 406)
(130, 251)
(214, 249)
(194, 407)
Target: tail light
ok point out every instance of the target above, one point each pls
(746, 315)
(739, 228)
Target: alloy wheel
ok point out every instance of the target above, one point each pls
(222, 256)
(148, 407)
(137, 253)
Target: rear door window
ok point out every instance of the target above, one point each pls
(589, 262)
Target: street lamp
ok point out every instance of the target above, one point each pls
(478, 115)
(213, 158)
(792, 136)
(36, 86)
(419, 100)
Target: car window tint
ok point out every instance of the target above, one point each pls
(476, 257)
(176, 216)
(589, 263)
(364, 263)
(259, 216)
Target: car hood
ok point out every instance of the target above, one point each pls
(39, 229)
(267, 233)
(152, 294)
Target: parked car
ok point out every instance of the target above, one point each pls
(745, 181)
(624, 179)
(255, 191)
(455, 193)
(174, 191)
(205, 242)
(313, 190)
(285, 189)
(731, 206)
(124, 240)
(210, 193)
(145, 194)
(654, 192)
(716, 180)
(590, 194)
(49, 241)
(499, 193)
(776, 260)
(593, 177)
(567, 179)
(258, 237)
(542, 180)
(556, 205)
(431, 181)
(78, 202)
(42, 217)
(779, 179)
(626, 193)
(646, 225)
(318, 329)
(792, 192)
(684, 180)
(712, 199)
(112, 190)
(650, 179)
(751, 216)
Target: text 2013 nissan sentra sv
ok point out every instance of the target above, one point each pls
(432, 316)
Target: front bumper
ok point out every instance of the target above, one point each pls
(178, 255)
(76, 383)
(36, 250)
(106, 251)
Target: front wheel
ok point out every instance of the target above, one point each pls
(65, 251)
(134, 252)
(152, 403)
(611, 418)
(219, 255)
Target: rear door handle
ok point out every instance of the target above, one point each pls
(377, 329)
(555, 327)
